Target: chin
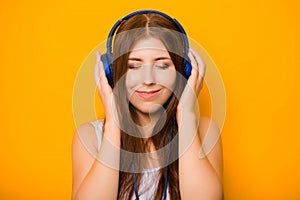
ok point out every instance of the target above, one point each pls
(150, 109)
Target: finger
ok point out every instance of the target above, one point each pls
(200, 62)
(96, 71)
(100, 64)
(201, 69)
(199, 85)
(194, 74)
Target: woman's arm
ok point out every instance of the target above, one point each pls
(201, 177)
(96, 178)
(93, 179)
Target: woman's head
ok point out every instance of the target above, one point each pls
(144, 40)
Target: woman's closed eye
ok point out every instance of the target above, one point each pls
(162, 66)
(134, 66)
(134, 63)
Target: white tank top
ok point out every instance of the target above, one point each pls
(149, 179)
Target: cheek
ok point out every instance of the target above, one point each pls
(167, 78)
(132, 80)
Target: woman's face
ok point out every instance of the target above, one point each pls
(151, 75)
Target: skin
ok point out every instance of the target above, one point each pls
(198, 178)
(150, 69)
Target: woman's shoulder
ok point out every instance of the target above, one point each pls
(89, 128)
(90, 135)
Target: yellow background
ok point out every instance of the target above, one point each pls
(255, 45)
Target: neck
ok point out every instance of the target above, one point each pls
(147, 121)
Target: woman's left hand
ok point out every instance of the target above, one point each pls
(188, 100)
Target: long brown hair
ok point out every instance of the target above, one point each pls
(139, 27)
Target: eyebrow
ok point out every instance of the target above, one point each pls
(156, 59)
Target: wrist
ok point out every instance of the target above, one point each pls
(112, 133)
(188, 132)
(187, 119)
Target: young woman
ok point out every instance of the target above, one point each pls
(148, 145)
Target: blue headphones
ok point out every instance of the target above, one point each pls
(107, 58)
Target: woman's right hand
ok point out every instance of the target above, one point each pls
(106, 94)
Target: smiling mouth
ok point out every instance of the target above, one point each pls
(148, 94)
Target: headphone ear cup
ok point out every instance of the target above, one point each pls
(108, 68)
(187, 69)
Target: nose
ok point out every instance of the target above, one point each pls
(148, 75)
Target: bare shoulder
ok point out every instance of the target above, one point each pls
(84, 150)
(211, 141)
(85, 137)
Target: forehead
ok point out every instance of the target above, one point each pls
(149, 46)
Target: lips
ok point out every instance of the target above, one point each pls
(148, 94)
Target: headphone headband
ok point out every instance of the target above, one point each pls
(117, 24)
